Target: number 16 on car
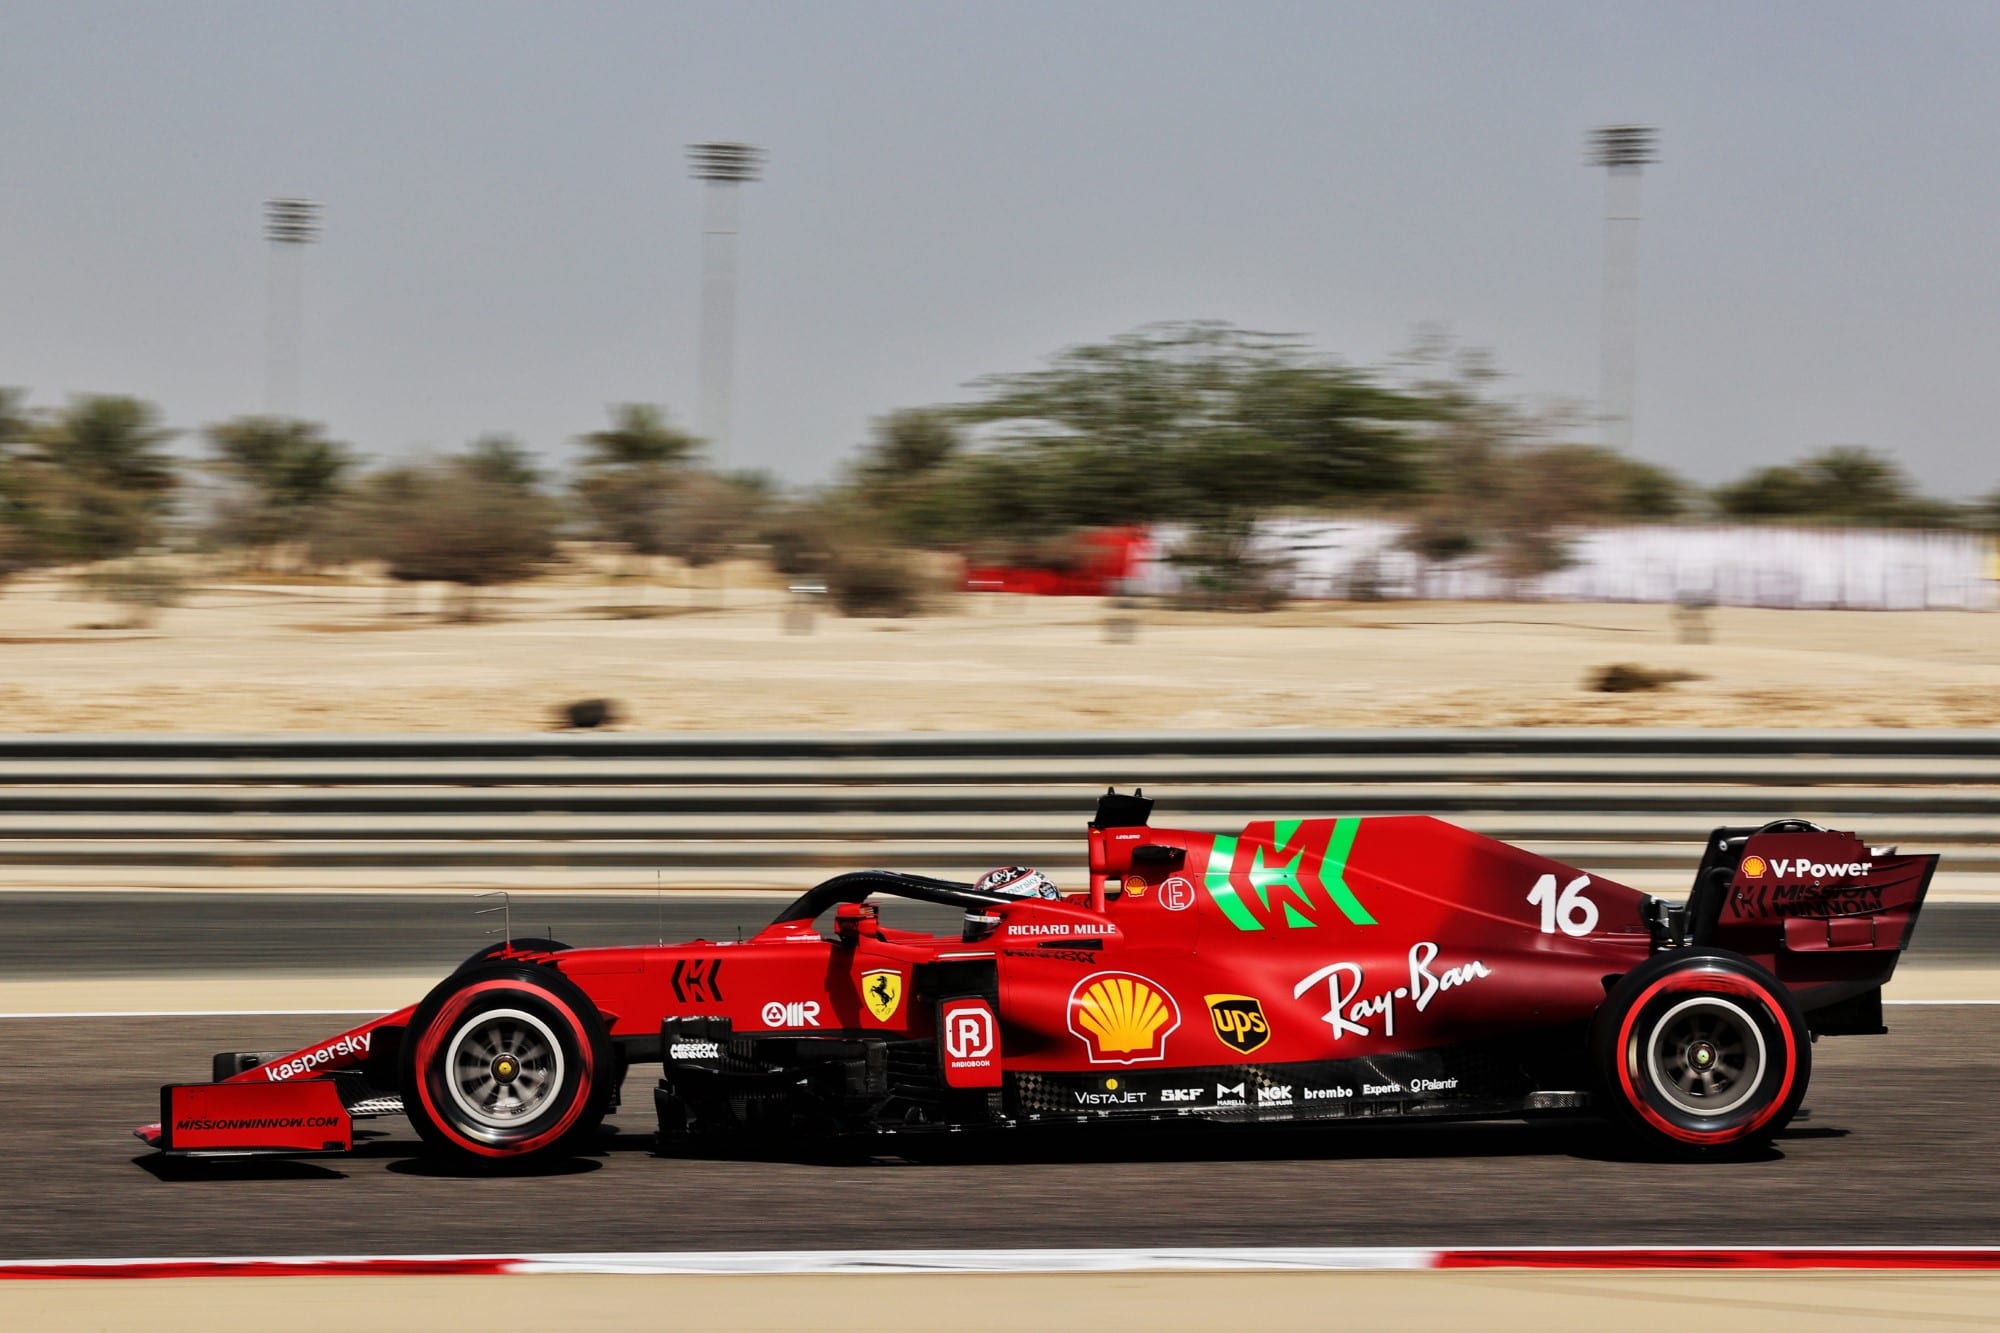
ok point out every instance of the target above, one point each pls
(1571, 912)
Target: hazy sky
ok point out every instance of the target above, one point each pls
(512, 240)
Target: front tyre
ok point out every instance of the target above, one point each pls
(505, 1062)
(1703, 1053)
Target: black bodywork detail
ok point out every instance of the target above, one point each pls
(1855, 1016)
(1116, 810)
(860, 1085)
(697, 980)
(225, 1065)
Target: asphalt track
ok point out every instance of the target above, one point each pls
(1902, 1145)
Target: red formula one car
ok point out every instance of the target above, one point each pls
(1325, 970)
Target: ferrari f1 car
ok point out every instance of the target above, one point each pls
(1323, 970)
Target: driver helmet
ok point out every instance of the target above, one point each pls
(1018, 882)
(1009, 882)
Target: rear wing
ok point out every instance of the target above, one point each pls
(1824, 910)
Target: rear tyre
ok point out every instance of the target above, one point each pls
(1702, 1053)
(506, 1062)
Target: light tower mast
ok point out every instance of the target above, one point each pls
(290, 225)
(725, 167)
(1621, 150)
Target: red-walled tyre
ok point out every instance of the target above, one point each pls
(506, 1062)
(1703, 1053)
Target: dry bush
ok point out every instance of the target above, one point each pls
(449, 522)
(142, 587)
(1630, 678)
(866, 579)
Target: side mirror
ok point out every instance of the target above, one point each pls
(853, 920)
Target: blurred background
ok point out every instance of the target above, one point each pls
(838, 289)
(649, 457)
(668, 370)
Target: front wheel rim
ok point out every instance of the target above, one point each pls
(1706, 1056)
(504, 1068)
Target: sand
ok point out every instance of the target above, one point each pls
(351, 656)
(1481, 1299)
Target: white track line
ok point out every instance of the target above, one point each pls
(1154, 1259)
(1942, 1002)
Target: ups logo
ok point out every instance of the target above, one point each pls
(1239, 1022)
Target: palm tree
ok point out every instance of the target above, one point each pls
(13, 417)
(630, 474)
(14, 543)
(99, 473)
(286, 474)
(639, 437)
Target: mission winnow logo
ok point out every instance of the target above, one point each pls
(257, 1122)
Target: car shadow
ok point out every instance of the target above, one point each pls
(407, 1157)
(179, 1169)
(1577, 1140)
(1813, 1132)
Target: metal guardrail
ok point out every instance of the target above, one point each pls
(614, 809)
(1269, 741)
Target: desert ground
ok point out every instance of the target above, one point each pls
(725, 652)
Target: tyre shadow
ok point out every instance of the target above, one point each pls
(413, 1163)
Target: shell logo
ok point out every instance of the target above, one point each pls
(1753, 867)
(1122, 1018)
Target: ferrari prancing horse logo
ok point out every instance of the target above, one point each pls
(882, 992)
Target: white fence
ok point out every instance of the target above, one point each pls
(1846, 568)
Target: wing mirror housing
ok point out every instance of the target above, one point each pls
(851, 921)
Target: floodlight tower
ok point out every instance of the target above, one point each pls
(290, 225)
(725, 167)
(1621, 150)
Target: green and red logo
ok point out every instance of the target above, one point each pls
(1285, 873)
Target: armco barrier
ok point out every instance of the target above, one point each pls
(752, 809)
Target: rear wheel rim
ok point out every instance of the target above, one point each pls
(1706, 1056)
(504, 1068)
